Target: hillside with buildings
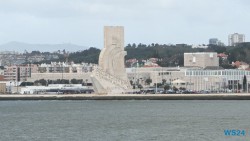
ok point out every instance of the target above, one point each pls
(200, 72)
(212, 67)
(172, 55)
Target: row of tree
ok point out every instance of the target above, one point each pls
(170, 55)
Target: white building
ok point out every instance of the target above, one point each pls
(62, 67)
(235, 38)
(56, 89)
(199, 46)
(201, 59)
(195, 79)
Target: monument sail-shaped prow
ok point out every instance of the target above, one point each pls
(111, 63)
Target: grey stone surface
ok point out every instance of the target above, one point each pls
(110, 76)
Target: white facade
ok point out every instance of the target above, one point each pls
(55, 76)
(62, 67)
(216, 79)
(56, 88)
(201, 59)
(199, 46)
(235, 38)
(193, 79)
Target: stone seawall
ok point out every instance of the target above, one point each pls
(129, 97)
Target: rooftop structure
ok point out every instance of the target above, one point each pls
(201, 59)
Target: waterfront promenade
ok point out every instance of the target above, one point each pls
(231, 96)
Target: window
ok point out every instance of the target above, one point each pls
(194, 59)
(219, 73)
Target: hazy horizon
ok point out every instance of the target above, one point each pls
(21, 47)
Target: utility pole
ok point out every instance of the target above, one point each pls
(156, 83)
(247, 84)
(62, 70)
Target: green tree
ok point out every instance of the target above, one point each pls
(239, 86)
(166, 87)
(175, 89)
(27, 84)
(245, 83)
(131, 82)
(148, 81)
(164, 81)
(74, 81)
(42, 82)
(182, 88)
(90, 55)
(140, 86)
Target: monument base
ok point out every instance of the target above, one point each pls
(104, 83)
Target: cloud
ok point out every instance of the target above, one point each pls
(145, 21)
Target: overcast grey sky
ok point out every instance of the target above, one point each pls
(146, 21)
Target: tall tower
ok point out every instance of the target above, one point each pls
(112, 55)
(110, 76)
(235, 38)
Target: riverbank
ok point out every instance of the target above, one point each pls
(241, 96)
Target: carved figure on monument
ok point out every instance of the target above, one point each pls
(111, 63)
(112, 56)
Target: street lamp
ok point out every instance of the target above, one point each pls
(10, 90)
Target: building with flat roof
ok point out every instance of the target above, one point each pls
(18, 72)
(195, 79)
(234, 39)
(201, 59)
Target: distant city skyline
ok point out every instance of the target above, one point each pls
(235, 38)
(81, 22)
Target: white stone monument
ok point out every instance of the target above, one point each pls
(110, 76)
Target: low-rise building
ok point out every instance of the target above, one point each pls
(201, 59)
(195, 79)
(63, 67)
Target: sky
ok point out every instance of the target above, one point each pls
(81, 22)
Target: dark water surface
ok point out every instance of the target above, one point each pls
(123, 120)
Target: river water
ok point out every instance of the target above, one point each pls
(123, 120)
